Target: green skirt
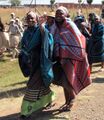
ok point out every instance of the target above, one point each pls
(28, 107)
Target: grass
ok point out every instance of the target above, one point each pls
(21, 12)
(10, 75)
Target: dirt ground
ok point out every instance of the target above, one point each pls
(89, 104)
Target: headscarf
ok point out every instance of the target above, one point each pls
(64, 10)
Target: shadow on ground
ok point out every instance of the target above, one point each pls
(40, 115)
(98, 80)
(14, 93)
(10, 117)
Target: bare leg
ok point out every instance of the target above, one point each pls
(15, 52)
(69, 98)
(69, 94)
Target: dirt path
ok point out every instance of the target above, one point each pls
(89, 104)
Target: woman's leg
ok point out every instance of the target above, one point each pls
(69, 100)
(69, 95)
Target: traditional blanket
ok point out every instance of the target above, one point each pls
(70, 50)
(46, 57)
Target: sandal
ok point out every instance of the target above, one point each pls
(67, 106)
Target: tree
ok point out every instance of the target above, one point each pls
(52, 3)
(89, 2)
(15, 2)
(102, 2)
(79, 1)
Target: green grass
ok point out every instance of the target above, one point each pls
(10, 75)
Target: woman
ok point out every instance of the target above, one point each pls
(71, 68)
(14, 33)
(4, 38)
(38, 93)
(96, 42)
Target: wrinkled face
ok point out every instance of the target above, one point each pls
(31, 21)
(60, 16)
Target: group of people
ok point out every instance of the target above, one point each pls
(53, 49)
(56, 53)
(93, 30)
(11, 36)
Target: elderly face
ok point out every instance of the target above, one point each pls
(60, 16)
(31, 19)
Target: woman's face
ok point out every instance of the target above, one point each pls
(60, 16)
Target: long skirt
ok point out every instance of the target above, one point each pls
(37, 95)
(14, 41)
(96, 50)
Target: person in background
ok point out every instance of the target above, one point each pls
(83, 27)
(14, 33)
(1, 31)
(102, 13)
(47, 47)
(96, 42)
(13, 16)
(19, 23)
(4, 39)
(71, 68)
(2, 28)
(38, 93)
(79, 18)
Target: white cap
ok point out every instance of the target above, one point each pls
(12, 20)
(12, 13)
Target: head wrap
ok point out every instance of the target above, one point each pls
(64, 10)
(79, 18)
(32, 14)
